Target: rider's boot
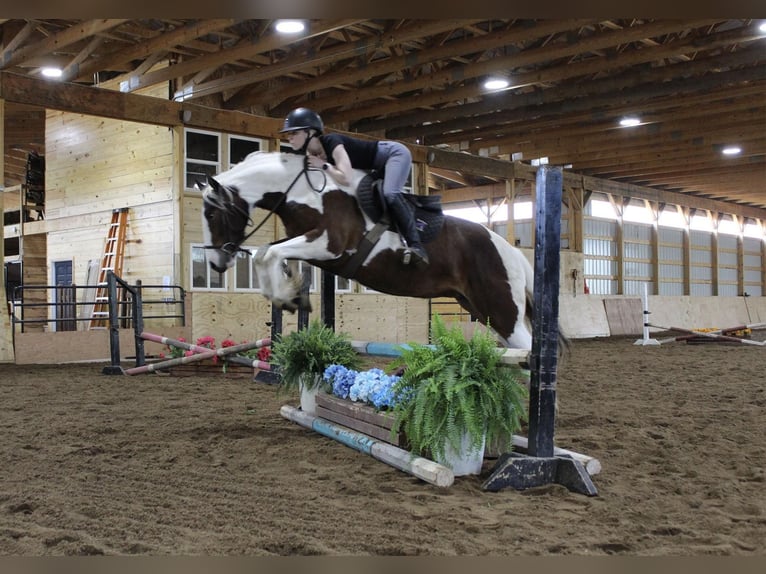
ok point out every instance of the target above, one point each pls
(405, 222)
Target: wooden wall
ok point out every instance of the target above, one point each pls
(95, 165)
(363, 316)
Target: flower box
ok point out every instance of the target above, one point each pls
(358, 417)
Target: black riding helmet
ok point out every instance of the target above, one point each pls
(302, 119)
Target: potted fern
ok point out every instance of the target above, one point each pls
(456, 395)
(302, 356)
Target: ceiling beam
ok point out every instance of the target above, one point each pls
(633, 88)
(240, 51)
(573, 47)
(551, 75)
(100, 102)
(416, 58)
(161, 42)
(58, 41)
(258, 94)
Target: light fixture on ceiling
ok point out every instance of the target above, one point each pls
(762, 27)
(731, 150)
(496, 84)
(51, 72)
(629, 121)
(290, 26)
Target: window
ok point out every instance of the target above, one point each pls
(245, 277)
(203, 156)
(241, 147)
(209, 153)
(202, 276)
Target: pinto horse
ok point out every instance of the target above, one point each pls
(324, 224)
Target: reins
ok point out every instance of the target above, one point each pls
(232, 248)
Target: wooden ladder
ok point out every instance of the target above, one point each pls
(114, 249)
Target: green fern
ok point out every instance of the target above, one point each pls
(457, 386)
(302, 356)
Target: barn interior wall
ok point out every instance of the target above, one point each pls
(96, 165)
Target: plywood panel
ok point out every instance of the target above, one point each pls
(625, 316)
(236, 316)
(383, 318)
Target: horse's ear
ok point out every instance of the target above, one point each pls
(213, 183)
(199, 185)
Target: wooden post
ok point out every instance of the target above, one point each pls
(6, 332)
(543, 465)
(545, 331)
(327, 307)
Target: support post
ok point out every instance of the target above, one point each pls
(542, 466)
(303, 314)
(114, 329)
(327, 308)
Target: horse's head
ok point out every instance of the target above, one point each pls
(225, 215)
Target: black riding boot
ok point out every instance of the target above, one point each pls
(405, 222)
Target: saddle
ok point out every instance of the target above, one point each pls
(428, 209)
(428, 217)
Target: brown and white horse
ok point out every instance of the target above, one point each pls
(324, 225)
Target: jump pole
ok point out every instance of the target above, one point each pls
(422, 468)
(254, 363)
(691, 333)
(646, 341)
(199, 356)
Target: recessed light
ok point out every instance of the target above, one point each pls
(762, 27)
(731, 150)
(496, 84)
(51, 72)
(290, 26)
(629, 122)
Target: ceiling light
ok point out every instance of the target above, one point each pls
(629, 122)
(496, 84)
(51, 72)
(290, 26)
(731, 150)
(762, 27)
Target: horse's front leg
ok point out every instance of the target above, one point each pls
(277, 269)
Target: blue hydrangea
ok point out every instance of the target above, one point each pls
(341, 379)
(372, 387)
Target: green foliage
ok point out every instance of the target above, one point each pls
(302, 356)
(456, 386)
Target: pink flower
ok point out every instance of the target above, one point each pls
(227, 343)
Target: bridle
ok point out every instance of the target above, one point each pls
(222, 198)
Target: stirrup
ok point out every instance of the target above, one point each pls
(412, 256)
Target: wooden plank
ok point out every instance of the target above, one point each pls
(358, 417)
(355, 410)
(133, 107)
(624, 316)
(356, 424)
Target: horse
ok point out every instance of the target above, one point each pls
(325, 225)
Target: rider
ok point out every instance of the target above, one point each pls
(338, 154)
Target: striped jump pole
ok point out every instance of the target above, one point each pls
(691, 333)
(202, 353)
(422, 468)
(254, 363)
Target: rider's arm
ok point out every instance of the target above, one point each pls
(341, 172)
